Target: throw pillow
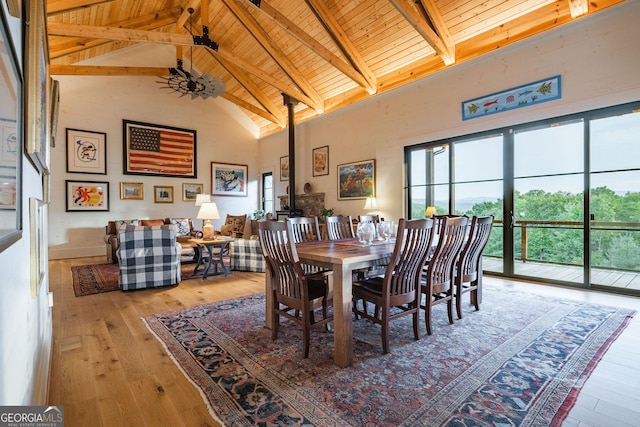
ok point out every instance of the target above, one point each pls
(124, 222)
(148, 222)
(182, 226)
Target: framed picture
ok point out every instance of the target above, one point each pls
(37, 88)
(357, 180)
(86, 151)
(162, 194)
(228, 179)
(131, 191)
(516, 97)
(46, 189)
(158, 150)
(55, 110)
(87, 196)
(38, 255)
(11, 145)
(284, 168)
(190, 191)
(8, 193)
(321, 161)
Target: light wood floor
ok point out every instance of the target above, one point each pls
(108, 370)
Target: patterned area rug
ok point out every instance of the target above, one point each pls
(98, 278)
(521, 360)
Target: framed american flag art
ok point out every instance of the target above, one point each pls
(158, 150)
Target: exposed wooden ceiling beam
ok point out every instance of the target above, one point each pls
(440, 27)
(131, 35)
(250, 107)
(332, 26)
(347, 69)
(90, 70)
(62, 46)
(55, 7)
(274, 113)
(406, 9)
(283, 61)
(184, 16)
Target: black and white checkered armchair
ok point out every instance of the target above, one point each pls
(149, 257)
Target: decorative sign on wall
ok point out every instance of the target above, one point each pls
(520, 96)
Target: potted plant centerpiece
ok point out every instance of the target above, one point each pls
(324, 213)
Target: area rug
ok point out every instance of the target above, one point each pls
(98, 278)
(519, 361)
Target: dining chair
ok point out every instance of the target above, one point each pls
(304, 229)
(296, 295)
(438, 277)
(339, 227)
(369, 218)
(467, 273)
(397, 293)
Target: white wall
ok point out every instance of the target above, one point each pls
(100, 104)
(25, 321)
(597, 56)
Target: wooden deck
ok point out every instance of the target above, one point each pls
(629, 281)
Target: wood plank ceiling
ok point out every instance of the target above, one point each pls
(324, 53)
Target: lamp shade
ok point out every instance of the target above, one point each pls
(208, 210)
(430, 211)
(371, 204)
(202, 198)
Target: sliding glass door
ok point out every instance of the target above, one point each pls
(548, 202)
(615, 201)
(565, 194)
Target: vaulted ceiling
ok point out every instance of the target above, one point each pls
(326, 54)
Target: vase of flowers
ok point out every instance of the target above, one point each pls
(258, 214)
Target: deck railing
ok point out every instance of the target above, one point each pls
(526, 226)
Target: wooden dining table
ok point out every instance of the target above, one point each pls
(341, 256)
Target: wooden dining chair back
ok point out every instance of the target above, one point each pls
(296, 295)
(304, 229)
(339, 227)
(369, 218)
(438, 279)
(468, 271)
(397, 293)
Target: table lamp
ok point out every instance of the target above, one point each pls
(371, 204)
(430, 211)
(208, 211)
(202, 198)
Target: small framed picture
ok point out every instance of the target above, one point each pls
(229, 179)
(321, 161)
(86, 151)
(190, 191)
(87, 195)
(162, 194)
(284, 168)
(131, 191)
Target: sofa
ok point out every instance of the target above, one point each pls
(149, 257)
(184, 232)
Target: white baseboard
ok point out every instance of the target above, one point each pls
(62, 253)
(43, 366)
